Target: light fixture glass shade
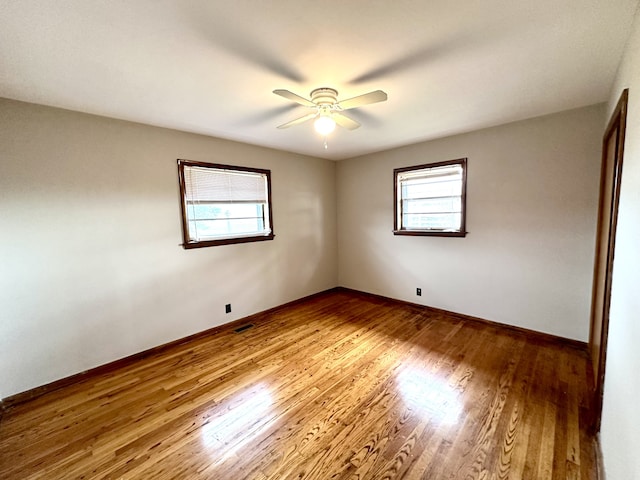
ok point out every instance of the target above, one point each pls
(324, 125)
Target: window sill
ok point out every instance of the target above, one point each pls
(227, 241)
(429, 233)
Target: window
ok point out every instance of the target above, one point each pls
(224, 204)
(430, 199)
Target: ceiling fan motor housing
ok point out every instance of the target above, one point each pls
(324, 96)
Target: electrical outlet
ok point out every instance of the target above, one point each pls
(227, 308)
(419, 292)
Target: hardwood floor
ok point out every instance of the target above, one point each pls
(343, 386)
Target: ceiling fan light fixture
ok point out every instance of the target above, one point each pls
(324, 125)
(327, 110)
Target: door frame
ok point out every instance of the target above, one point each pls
(616, 126)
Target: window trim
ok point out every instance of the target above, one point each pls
(186, 242)
(463, 199)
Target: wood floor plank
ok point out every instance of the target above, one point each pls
(340, 386)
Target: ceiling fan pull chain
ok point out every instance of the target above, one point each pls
(326, 143)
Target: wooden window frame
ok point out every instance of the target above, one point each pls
(187, 243)
(397, 228)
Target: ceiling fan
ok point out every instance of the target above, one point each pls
(327, 109)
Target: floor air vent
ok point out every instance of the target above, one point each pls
(243, 328)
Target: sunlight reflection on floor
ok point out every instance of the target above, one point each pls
(247, 415)
(429, 396)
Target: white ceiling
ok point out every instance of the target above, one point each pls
(210, 66)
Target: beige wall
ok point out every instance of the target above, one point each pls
(621, 416)
(532, 201)
(91, 267)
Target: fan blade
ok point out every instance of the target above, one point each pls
(366, 99)
(344, 121)
(300, 120)
(296, 98)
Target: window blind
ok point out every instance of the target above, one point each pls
(206, 185)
